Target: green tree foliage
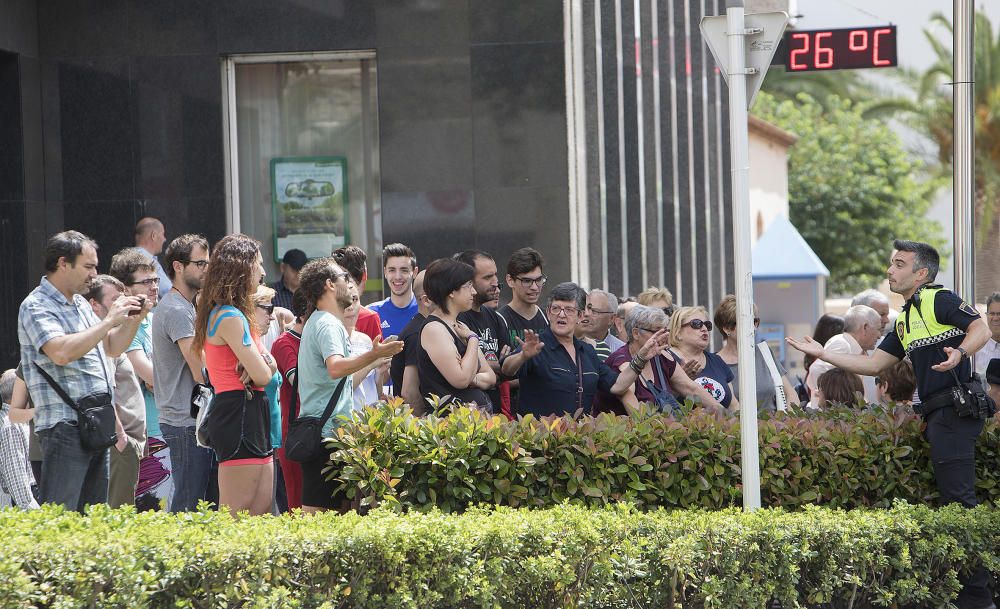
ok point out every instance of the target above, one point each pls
(852, 187)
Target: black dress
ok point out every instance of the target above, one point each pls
(433, 382)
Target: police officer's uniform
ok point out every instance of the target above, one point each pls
(935, 318)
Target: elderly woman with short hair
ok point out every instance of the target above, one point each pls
(661, 378)
(561, 374)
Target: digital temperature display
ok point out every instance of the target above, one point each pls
(840, 49)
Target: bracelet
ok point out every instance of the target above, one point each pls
(636, 368)
(639, 360)
(473, 335)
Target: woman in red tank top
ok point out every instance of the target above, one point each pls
(238, 368)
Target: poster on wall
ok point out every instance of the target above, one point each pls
(309, 204)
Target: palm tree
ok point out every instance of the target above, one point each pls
(933, 111)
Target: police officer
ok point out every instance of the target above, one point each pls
(938, 331)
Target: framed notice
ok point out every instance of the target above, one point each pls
(309, 204)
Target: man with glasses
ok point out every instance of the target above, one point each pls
(526, 280)
(991, 350)
(561, 374)
(134, 270)
(596, 320)
(177, 370)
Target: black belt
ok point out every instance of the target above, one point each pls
(938, 400)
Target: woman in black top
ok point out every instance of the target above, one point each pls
(450, 363)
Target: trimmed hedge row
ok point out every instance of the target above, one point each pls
(564, 557)
(840, 458)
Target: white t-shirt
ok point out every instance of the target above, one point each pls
(366, 392)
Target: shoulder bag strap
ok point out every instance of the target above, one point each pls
(579, 379)
(293, 408)
(62, 393)
(780, 399)
(333, 401)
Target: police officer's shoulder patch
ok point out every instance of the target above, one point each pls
(900, 328)
(968, 309)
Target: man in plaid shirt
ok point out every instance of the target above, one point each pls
(59, 332)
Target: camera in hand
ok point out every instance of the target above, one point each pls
(142, 304)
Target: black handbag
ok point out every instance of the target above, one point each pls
(95, 415)
(305, 434)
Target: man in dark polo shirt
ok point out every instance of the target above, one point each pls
(938, 331)
(561, 374)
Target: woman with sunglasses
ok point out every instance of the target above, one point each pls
(270, 328)
(690, 331)
(660, 377)
(240, 367)
(767, 392)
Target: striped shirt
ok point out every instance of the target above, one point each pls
(44, 315)
(16, 477)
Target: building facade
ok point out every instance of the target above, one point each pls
(593, 131)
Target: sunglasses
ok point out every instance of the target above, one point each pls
(266, 307)
(698, 324)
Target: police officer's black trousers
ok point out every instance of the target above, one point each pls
(953, 453)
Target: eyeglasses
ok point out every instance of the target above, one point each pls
(147, 282)
(198, 263)
(567, 311)
(650, 330)
(698, 324)
(591, 309)
(527, 281)
(269, 308)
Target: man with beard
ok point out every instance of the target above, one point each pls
(177, 370)
(494, 337)
(325, 367)
(60, 334)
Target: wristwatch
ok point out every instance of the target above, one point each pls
(965, 355)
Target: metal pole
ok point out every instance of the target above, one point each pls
(735, 28)
(964, 159)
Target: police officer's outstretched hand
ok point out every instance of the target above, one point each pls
(807, 345)
(954, 359)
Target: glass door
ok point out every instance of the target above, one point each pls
(303, 154)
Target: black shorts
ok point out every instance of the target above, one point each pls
(317, 491)
(240, 428)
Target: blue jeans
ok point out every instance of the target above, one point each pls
(72, 476)
(190, 468)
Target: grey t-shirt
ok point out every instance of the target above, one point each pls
(172, 380)
(766, 400)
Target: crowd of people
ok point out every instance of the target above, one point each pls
(111, 361)
(305, 346)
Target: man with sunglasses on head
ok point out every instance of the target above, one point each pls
(178, 368)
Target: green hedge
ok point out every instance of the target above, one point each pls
(563, 557)
(841, 458)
